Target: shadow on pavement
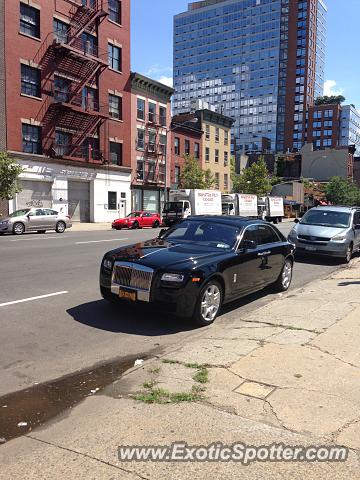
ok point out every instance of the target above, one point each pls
(346, 284)
(133, 319)
(313, 260)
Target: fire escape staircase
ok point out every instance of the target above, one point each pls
(154, 150)
(82, 63)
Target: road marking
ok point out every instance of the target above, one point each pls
(100, 241)
(33, 298)
(38, 238)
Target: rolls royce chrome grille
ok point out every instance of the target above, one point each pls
(132, 275)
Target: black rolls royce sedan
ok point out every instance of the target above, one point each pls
(199, 264)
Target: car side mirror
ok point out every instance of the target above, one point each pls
(248, 245)
(162, 232)
(30, 214)
(296, 220)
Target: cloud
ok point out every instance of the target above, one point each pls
(166, 80)
(329, 88)
(157, 70)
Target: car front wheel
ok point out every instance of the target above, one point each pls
(156, 224)
(60, 227)
(208, 304)
(18, 228)
(284, 281)
(349, 254)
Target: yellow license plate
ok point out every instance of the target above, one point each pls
(127, 295)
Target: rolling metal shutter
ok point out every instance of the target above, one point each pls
(79, 201)
(34, 194)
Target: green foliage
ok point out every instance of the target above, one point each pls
(333, 99)
(192, 175)
(280, 166)
(9, 177)
(342, 192)
(254, 179)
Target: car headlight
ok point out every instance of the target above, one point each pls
(339, 238)
(107, 264)
(172, 277)
(292, 235)
(4, 222)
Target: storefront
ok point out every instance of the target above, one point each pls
(151, 200)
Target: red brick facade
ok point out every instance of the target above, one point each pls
(324, 126)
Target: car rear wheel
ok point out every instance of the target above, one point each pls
(60, 227)
(284, 281)
(208, 304)
(135, 225)
(349, 253)
(156, 224)
(18, 228)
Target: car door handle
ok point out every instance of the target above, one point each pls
(264, 254)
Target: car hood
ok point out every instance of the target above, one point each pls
(9, 219)
(319, 231)
(161, 254)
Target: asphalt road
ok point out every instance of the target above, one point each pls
(45, 338)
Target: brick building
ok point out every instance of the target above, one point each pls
(67, 105)
(324, 126)
(150, 142)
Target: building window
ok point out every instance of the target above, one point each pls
(140, 170)
(217, 180)
(328, 113)
(317, 133)
(89, 44)
(207, 132)
(162, 116)
(226, 137)
(61, 89)
(226, 181)
(152, 112)
(115, 107)
(217, 135)
(60, 31)
(328, 133)
(162, 145)
(140, 112)
(328, 123)
(152, 142)
(177, 175)
(115, 10)
(63, 141)
(216, 155)
(207, 154)
(151, 171)
(177, 146)
(29, 20)
(30, 81)
(197, 150)
(317, 124)
(140, 142)
(226, 159)
(112, 200)
(317, 143)
(115, 153)
(31, 138)
(327, 142)
(115, 57)
(187, 147)
(90, 99)
(317, 114)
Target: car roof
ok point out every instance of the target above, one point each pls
(234, 220)
(336, 208)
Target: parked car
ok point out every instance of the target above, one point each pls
(199, 264)
(35, 219)
(138, 220)
(328, 230)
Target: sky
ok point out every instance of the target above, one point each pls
(152, 32)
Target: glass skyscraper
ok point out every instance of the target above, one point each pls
(258, 61)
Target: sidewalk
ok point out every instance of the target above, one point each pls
(287, 372)
(89, 227)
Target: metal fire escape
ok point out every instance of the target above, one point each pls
(71, 64)
(155, 151)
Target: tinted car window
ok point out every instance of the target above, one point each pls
(20, 213)
(357, 218)
(260, 234)
(251, 234)
(326, 218)
(40, 212)
(51, 212)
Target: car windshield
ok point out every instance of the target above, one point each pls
(326, 218)
(134, 214)
(207, 234)
(173, 207)
(20, 213)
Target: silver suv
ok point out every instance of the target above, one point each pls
(34, 219)
(328, 230)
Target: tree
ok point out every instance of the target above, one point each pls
(9, 177)
(342, 192)
(254, 179)
(330, 100)
(192, 175)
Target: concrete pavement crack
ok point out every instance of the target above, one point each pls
(287, 327)
(85, 455)
(337, 432)
(333, 355)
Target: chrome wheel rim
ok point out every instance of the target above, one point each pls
(349, 254)
(18, 228)
(287, 274)
(210, 303)
(61, 227)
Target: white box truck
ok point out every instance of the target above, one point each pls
(186, 202)
(241, 204)
(271, 208)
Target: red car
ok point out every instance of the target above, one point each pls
(138, 220)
